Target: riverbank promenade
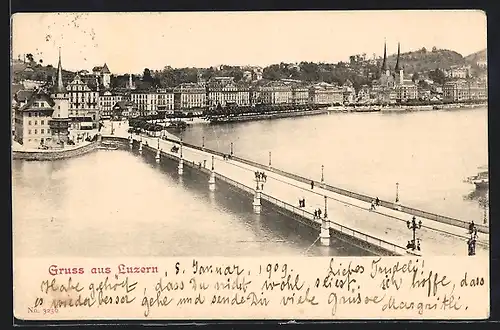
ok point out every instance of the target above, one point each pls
(436, 238)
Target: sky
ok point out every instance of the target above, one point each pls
(130, 42)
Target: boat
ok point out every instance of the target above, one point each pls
(481, 179)
(107, 146)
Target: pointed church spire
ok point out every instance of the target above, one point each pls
(384, 64)
(130, 81)
(397, 60)
(60, 85)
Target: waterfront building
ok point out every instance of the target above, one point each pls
(275, 93)
(224, 91)
(83, 94)
(165, 99)
(406, 91)
(455, 91)
(478, 90)
(363, 95)
(300, 94)
(189, 96)
(31, 125)
(42, 119)
(145, 101)
(324, 93)
(107, 100)
(348, 93)
(104, 75)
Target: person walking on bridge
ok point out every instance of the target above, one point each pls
(312, 184)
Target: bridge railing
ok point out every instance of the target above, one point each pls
(374, 241)
(344, 192)
(362, 197)
(371, 240)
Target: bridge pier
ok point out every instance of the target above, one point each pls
(257, 206)
(180, 167)
(324, 235)
(157, 158)
(130, 142)
(211, 181)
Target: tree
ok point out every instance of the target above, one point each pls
(415, 77)
(434, 49)
(29, 57)
(146, 76)
(41, 61)
(437, 76)
(424, 50)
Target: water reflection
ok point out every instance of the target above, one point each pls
(119, 203)
(428, 153)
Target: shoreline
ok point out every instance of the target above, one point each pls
(331, 109)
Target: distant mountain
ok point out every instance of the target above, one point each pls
(477, 56)
(424, 60)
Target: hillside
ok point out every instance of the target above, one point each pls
(424, 60)
(32, 71)
(477, 56)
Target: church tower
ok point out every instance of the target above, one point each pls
(384, 68)
(398, 70)
(130, 82)
(59, 125)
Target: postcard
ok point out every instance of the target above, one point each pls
(250, 165)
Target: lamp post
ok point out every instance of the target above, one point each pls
(231, 148)
(485, 206)
(413, 226)
(158, 143)
(212, 162)
(322, 174)
(326, 208)
(471, 244)
(181, 147)
(269, 159)
(397, 192)
(203, 142)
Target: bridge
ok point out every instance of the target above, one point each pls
(347, 215)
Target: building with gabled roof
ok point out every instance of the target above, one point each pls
(83, 92)
(104, 75)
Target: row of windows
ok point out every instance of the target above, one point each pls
(42, 122)
(36, 114)
(42, 131)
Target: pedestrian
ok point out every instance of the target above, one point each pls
(319, 212)
(418, 245)
(303, 202)
(471, 227)
(261, 186)
(408, 246)
(372, 206)
(300, 202)
(377, 201)
(315, 214)
(312, 184)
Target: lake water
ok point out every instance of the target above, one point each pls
(429, 153)
(119, 203)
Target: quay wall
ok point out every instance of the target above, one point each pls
(354, 237)
(54, 154)
(409, 210)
